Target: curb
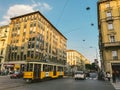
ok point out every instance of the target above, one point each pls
(116, 85)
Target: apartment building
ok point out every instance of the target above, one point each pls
(4, 32)
(109, 34)
(33, 38)
(76, 60)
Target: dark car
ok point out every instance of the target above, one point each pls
(16, 75)
(93, 75)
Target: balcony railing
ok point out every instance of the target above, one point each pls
(109, 19)
(114, 59)
(111, 44)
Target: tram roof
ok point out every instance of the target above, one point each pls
(35, 62)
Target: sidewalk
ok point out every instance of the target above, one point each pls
(3, 75)
(116, 85)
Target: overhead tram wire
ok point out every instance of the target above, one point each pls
(72, 30)
(62, 12)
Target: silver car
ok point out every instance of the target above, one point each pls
(79, 75)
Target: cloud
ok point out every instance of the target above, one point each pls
(44, 7)
(20, 9)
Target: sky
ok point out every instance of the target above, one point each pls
(70, 17)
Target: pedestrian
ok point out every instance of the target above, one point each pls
(117, 76)
(114, 76)
(108, 76)
(101, 75)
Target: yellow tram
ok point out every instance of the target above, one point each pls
(39, 71)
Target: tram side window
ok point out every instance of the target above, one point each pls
(50, 68)
(47, 68)
(60, 68)
(29, 67)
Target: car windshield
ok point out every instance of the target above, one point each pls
(79, 72)
(16, 72)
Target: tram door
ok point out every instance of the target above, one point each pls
(54, 70)
(37, 68)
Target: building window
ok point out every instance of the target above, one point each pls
(30, 32)
(114, 54)
(24, 57)
(31, 24)
(110, 26)
(28, 53)
(32, 45)
(17, 57)
(112, 38)
(23, 40)
(108, 14)
(18, 27)
(33, 39)
(2, 51)
(3, 43)
(24, 33)
(6, 30)
(13, 29)
(107, 5)
(29, 44)
(22, 47)
(32, 54)
(21, 55)
(25, 26)
(34, 24)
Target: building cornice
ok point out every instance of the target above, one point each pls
(42, 16)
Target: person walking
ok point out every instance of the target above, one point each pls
(108, 76)
(114, 76)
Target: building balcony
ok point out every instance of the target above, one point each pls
(1, 56)
(108, 19)
(111, 44)
(114, 60)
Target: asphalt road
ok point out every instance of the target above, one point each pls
(57, 84)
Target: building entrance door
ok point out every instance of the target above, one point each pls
(116, 66)
(116, 70)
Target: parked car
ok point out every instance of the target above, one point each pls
(79, 75)
(16, 75)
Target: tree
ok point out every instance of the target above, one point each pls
(94, 66)
(88, 66)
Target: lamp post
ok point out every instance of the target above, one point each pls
(0, 61)
(95, 51)
(96, 60)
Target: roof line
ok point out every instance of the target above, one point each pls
(43, 17)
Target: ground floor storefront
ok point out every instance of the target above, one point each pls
(9, 67)
(114, 68)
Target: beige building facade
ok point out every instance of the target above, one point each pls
(109, 34)
(76, 60)
(33, 38)
(4, 32)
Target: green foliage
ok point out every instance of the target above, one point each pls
(91, 66)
